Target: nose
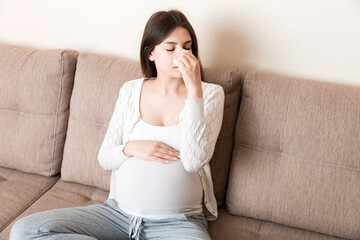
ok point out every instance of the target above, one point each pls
(178, 50)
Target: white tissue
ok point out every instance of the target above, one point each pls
(176, 62)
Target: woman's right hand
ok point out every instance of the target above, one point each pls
(151, 150)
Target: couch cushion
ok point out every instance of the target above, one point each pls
(231, 80)
(65, 194)
(229, 227)
(97, 82)
(62, 195)
(35, 89)
(296, 159)
(233, 227)
(18, 191)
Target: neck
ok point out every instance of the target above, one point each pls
(167, 85)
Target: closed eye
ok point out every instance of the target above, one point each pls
(170, 50)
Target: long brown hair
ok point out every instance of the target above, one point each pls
(158, 27)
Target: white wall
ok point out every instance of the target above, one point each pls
(318, 39)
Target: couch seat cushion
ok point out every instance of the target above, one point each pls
(66, 194)
(233, 227)
(18, 191)
(63, 195)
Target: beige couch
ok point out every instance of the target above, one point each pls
(286, 164)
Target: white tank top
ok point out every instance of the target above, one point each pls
(156, 190)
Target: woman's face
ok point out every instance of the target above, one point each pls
(164, 53)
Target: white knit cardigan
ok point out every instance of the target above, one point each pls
(200, 122)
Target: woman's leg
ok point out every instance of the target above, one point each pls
(99, 221)
(194, 226)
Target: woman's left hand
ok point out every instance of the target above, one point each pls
(190, 69)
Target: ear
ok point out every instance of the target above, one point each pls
(151, 57)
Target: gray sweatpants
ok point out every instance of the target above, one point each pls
(106, 221)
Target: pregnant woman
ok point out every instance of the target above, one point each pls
(158, 144)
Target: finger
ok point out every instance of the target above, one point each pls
(165, 156)
(170, 153)
(166, 147)
(189, 54)
(192, 56)
(184, 59)
(160, 160)
(181, 67)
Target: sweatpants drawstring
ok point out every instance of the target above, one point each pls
(135, 227)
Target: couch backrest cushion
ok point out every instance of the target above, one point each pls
(97, 82)
(231, 80)
(35, 90)
(98, 79)
(296, 158)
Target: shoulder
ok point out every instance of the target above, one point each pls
(211, 86)
(212, 90)
(131, 84)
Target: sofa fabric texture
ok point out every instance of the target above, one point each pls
(35, 90)
(19, 190)
(296, 159)
(98, 79)
(62, 195)
(234, 227)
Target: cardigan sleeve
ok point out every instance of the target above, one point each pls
(111, 155)
(200, 127)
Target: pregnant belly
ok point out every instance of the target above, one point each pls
(150, 185)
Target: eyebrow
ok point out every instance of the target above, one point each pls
(176, 42)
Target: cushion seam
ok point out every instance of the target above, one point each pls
(57, 112)
(288, 155)
(29, 114)
(30, 203)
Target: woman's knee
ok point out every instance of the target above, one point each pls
(24, 228)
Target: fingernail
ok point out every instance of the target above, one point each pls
(166, 161)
